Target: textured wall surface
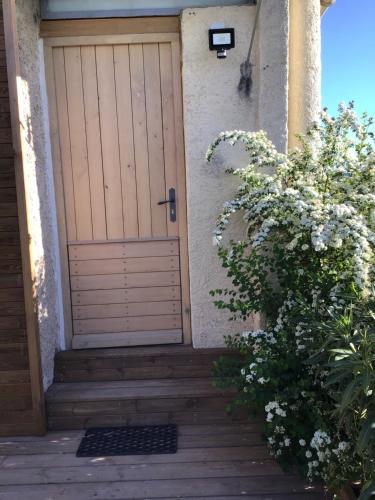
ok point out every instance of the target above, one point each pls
(305, 66)
(39, 183)
(211, 105)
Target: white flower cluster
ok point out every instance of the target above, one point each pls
(250, 374)
(258, 337)
(318, 207)
(303, 336)
(274, 408)
(321, 452)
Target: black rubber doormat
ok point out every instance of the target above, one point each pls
(130, 440)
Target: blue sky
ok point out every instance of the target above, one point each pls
(348, 55)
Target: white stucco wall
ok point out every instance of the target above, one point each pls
(39, 180)
(211, 105)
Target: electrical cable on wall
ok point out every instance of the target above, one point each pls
(246, 80)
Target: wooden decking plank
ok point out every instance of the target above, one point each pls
(138, 393)
(136, 407)
(159, 488)
(157, 418)
(71, 445)
(140, 472)
(235, 453)
(140, 352)
(127, 338)
(64, 374)
(128, 384)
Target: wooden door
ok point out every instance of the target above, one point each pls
(116, 126)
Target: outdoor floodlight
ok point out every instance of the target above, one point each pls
(221, 40)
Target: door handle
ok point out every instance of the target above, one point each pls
(172, 204)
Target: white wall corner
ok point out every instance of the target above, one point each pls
(304, 66)
(61, 345)
(273, 32)
(39, 184)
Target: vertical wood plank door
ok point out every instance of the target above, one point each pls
(116, 128)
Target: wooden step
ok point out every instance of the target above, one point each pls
(135, 363)
(78, 405)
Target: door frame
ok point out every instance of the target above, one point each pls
(116, 31)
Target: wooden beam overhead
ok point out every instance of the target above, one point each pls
(116, 26)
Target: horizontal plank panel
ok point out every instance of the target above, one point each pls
(131, 265)
(74, 41)
(3, 74)
(14, 359)
(4, 119)
(153, 354)
(11, 308)
(96, 365)
(82, 422)
(65, 374)
(11, 295)
(8, 209)
(7, 391)
(113, 473)
(127, 324)
(200, 454)
(120, 250)
(10, 252)
(4, 92)
(121, 310)
(10, 266)
(223, 488)
(9, 237)
(82, 27)
(5, 136)
(8, 223)
(10, 322)
(132, 280)
(127, 295)
(6, 163)
(12, 416)
(11, 280)
(7, 178)
(22, 403)
(7, 151)
(4, 106)
(14, 376)
(127, 339)
(12, 337)
(7, 195)
(89, 391)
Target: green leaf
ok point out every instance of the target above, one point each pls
(349, 395)
(368, 491)
(367, 433)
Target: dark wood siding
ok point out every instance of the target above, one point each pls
(17, 415)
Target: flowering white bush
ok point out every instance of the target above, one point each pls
(309, 255)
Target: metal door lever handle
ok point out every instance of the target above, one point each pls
(172, 204)
(166, 201)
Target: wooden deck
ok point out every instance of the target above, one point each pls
(213, 461)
